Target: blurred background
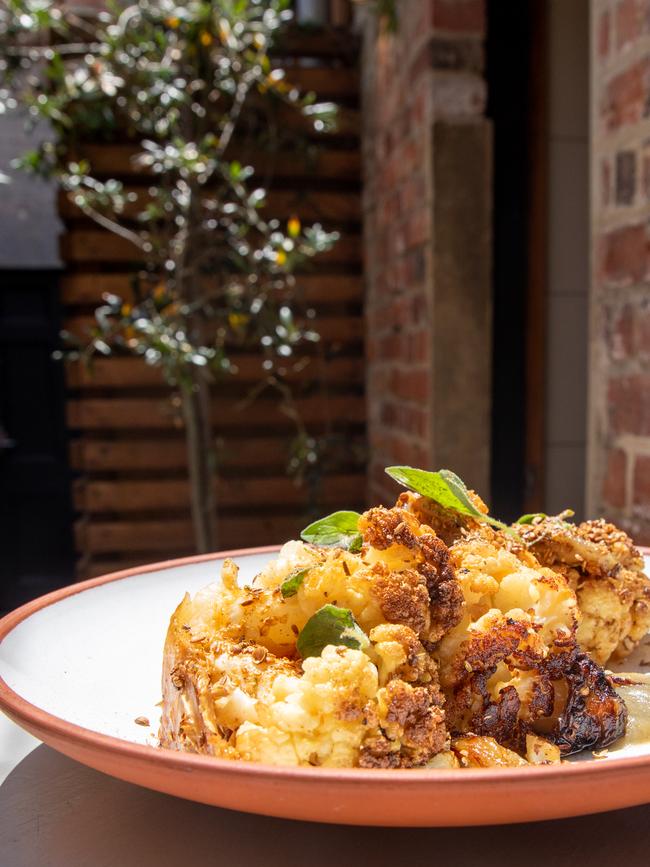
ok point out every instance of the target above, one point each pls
(453, 251)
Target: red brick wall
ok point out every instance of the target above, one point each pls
(620, 360)
(429, 71)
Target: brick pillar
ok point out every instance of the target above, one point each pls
(619, 413)
(427, 162)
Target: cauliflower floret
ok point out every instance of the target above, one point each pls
(605, 570)
(316, 718)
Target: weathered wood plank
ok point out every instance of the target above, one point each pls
(116, 160)
(332, 329)
(122, 496)
(159, 414)
(128, 455)
(88, 287)
(99, 537)
(96, 245)
(129, 373)
(323, 206)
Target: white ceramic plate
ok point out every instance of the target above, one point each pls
(78, 667)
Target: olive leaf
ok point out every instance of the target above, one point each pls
(290, 586)
(445, 488)
(330, 625)
(340, 529)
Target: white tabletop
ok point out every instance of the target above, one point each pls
(55, 812)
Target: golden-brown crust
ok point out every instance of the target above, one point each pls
(403, 597)
(384, 528)
(408, 728)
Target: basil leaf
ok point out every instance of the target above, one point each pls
(340, 529)
(330, 625)
(290, 586)
(445, 488)
(528, 519)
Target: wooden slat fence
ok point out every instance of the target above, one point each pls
(131, 491)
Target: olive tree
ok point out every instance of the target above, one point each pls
(179, 82)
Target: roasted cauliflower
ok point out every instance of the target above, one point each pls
(605, 571)
(234, 684)
(427, 639)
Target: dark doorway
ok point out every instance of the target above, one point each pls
(516, 51)
(36, 553)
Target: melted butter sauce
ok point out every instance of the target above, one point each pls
(636, 696)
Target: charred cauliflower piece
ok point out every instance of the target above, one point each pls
(235, 686)
(512, 666)
(605, 570)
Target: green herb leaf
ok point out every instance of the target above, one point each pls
(445, 488)
(340, 529)
(528, 519)
(293, 582)
(330, 625)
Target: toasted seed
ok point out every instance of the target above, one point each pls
(141, 721)
(248, 601)
(295, 629)
(259, 654)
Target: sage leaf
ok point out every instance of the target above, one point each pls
(290, 586)
(445, 488)
(340, 530)
(330, 625)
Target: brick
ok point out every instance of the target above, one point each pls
(625, 255)
(628, 399)
(625, 177)
(459, 16)
(615, 476)
(628, 332)
(412, 385)
(418, 346)
(603, 34)
(626, 96)
(417, 228)
(641, 495)
(631, 21)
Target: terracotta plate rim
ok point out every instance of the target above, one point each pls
(44, 723)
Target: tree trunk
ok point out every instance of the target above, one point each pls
(200, 454)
